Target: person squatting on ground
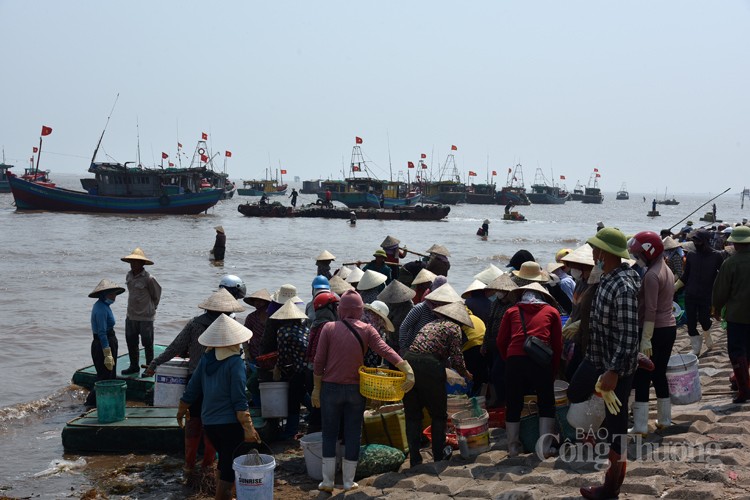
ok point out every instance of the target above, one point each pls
(144, 293)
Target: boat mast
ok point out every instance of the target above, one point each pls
(105, 129)
(137, 141)
(390, 164)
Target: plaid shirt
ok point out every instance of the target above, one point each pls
(615, 339)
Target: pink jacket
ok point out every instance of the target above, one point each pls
(655, 295)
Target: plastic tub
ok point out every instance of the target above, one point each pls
(170, 382)
(254, 482)
(110, 400)
(273, 399)
(683, 379)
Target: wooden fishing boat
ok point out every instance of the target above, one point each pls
(577, 194)
(40, 177)
(592, 193)
(310, 187)
(481, 194)
(709, 217)
(4, 171)
(448, 189)
(277, 210)
(667, 201)
(514, 192)
(269, 187)
(120, 189)
(623, 194)
(545, 193)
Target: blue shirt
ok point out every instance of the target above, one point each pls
(222, 384)
(102, 321)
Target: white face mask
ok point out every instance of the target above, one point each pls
(577, 274)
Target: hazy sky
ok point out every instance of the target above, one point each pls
(652, 93)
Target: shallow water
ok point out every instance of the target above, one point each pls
(53, 260)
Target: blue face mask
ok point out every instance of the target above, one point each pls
(109, 301)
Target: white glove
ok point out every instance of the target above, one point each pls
(405, 367)
(610, 399)
(648, 333)
(454, 378)
(570, 330)
(109, 361)
(678, 285)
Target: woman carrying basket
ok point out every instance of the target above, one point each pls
(341, 349)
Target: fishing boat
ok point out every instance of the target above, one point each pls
(277, 210)
(623, 194)
(448, 188)
(514, 192)
(577, 194)
(37, 176)
(745, 194)
(514, 216)
(592, 193)
(368, 191)
(481, 194)
(269, 187)
(310, 187)
(4, 171)
(667, 201)
(545, 193)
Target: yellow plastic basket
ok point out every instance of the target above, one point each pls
(381, 384)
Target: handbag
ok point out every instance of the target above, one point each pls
(534, 347)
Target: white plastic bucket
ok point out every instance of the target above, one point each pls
(273, 399)
(312, 446)
(254, 482)
(473, 433)
(171, 379)
(683, 379)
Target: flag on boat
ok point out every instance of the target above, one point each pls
(424, 165)
(283, 172)
(204, 158)
(494, 173)
(596, 170)
(423, 156)
(454, 148)
(358, 140)
(562, 177)
(204, 136)
(164, 155)
(598, 175)
(228, 154)
(179, 146)
(36, 150)
(171, 164)
(46, 130)
(410, 164)
(510, 170)
(355, 168)
(472, 173)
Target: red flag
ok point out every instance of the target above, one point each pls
(358, 140)
(204, 136)
(204, 158)
(596, 170)
(164, 156)
(283, 172)
(36, 149)
(410, 164)
(355, 168)
(494, 173)
(228, 154)
(171, 164)
(598, 175)
(424, 166)
(472, 173)
(423, 156)
(562, 177)
(510, 170)
(454, 148)
(46, 130)
(179, 146)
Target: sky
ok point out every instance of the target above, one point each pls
(654, 94)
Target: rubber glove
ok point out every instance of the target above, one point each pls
(405, 367)
(453, 377)
(315, 396)
(109, 361)
(251, 435)
(611, 400)
(678, 285)
(648, 333)
(183, 411)
(276, 373)
(570, 330)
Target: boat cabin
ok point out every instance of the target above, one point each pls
(116, 179)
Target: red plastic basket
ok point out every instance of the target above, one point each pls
(450, 438)
(497, 417)
(267, 361)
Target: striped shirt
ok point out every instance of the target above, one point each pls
(420, 315)
(615, 338)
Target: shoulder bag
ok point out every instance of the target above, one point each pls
(535, 348)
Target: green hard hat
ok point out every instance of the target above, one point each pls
(611, 240)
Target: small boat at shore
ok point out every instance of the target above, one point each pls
(277, 210)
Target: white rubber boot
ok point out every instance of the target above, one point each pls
(513, 429)
(640, 419)
(348, 470)
(546, 436)
(696, 343)
(663, 412)
(329, 473)
(708, 340)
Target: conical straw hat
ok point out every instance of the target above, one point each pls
(488, 275)
(221, 301)
(396, 292)
(424, 276)
(371, 279)
(475, 285)
(355, 275)
(325, 255)
(554, 266)
(536, 287)
(289, 311)
(389, 241)
(439, 249)
(455, 311)
(106, 286)
(343, 273)
(261, 294)
(381, 309)
(582, 255)
(444, 293)
(339, 286)
(224, 332)
(670, 243)
(502, 283)
(219, 229)
(137, 255)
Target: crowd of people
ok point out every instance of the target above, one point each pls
(599, 317)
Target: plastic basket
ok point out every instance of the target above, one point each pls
(381, 384)
(450, 438)
(267, 361)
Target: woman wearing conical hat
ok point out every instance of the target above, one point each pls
(393, 253)
(104, 344)
(220, 244)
